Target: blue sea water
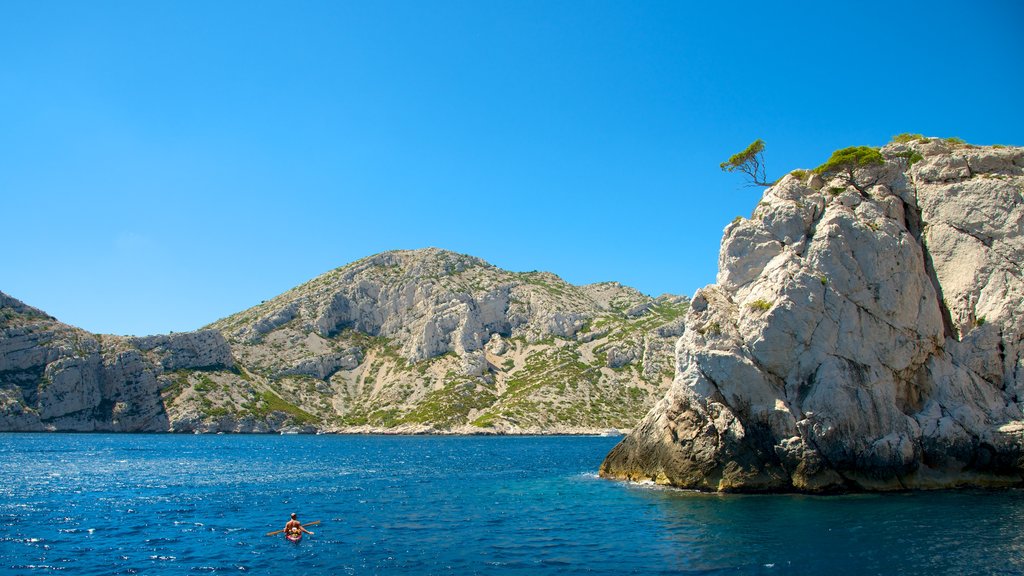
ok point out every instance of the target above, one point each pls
(163, 504)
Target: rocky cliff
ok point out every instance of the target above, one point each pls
(57, 377)
(865, 333)
(409, 341)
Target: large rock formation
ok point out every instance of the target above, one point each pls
(865, 333)
(57, 377)
(420, 341)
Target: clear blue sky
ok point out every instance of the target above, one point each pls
(166, 163)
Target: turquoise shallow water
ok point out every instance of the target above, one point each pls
(161, 504)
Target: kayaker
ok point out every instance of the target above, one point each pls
(294, 526)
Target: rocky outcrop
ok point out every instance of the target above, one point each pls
(57, 377)
(864, 333)
(205, 349)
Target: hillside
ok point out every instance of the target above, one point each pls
(405, 341)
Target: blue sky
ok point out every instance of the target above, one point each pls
(165, 164)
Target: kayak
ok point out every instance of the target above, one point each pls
(295, 535)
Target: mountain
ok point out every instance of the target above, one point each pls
(404, 341)
(865, 333)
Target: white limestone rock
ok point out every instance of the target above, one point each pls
(497, 345)
(324, 366)
(619, 356)
(856, 340)
(56, 377)
(204, 349)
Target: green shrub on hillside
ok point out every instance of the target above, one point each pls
(847, 161)
(850, 159)
(910, 157)
(761, 304)
(906, 138)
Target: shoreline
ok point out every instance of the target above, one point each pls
(356, 431)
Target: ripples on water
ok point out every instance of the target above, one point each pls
(138, 504)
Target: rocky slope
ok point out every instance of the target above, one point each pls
(420, 341)
(865, 333)
(57, 377)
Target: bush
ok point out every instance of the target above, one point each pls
(851, 158)
(847, 161)
(911, 157)
(761, 304)
(907, 138)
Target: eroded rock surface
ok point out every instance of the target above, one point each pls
(57, 377)
(431, 340)
(406, 341)
(856, 339)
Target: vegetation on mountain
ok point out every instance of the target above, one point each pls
(847, 161)
(425, 340)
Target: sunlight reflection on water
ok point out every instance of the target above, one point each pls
(439, 505)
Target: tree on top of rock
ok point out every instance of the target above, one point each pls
(847, 161)
(750, 162)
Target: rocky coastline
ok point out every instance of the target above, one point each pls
(865, 333)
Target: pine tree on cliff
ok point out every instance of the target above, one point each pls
(750, 162)
(846, 162)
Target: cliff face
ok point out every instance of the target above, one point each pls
(863, 334)
(415, 341)
(57, 377)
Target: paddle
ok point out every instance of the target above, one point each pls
(303, 525)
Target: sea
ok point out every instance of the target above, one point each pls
(105, 504)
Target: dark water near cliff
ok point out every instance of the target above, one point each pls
(127, 504)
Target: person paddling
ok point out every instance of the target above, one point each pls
(294, 526)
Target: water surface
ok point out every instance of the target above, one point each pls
(165, 504)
